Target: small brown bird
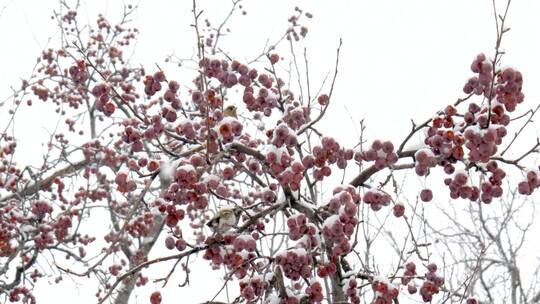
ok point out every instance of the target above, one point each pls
(230, 111)
(225, 219)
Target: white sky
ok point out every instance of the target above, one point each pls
(401, 59)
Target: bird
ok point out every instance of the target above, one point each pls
(230, 111)
(225, 219)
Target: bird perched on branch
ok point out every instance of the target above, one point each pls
(225, 219)
(230, 111)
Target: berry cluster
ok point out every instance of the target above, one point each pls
(265, 80)
(180, 244)
(282, 135)
(41, 208)
(169, 114)
(61, 227)
(244, 242)
(78, 72)
(508, 88)
(188, 129)
(132, 136)
(22, 293)
(425, 159)
(186, 175)
(459, 188)
(409, 273)
(296, 263)
(385, 293)
(446, 144)
(338, 228)
(482, 143)
(480, 84)
(326, 154)
(300, 229)
(382, 153)
(532, 182)
(492, 187)
(228, 128)
(174, 214)
(350, 287)
(140, 226)
(221, 251)
(314, 292)
(432, 283)
(265, 100)
(170, 95)
(254, 287)
(123, 184)
(219, 69)
(152, 84)
(327, 269)
(288, 172)
(246, 75)
(41, 92)
(292, 176)
(156, 127)
(377, 199)
(295, 116)
(296, 30)
(104, 104)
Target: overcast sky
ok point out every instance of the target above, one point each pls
(401, 60)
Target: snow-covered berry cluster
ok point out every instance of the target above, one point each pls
(188, 129)
(254, 287)
(431, 284)
(123, 184)
(221, 251)
(79, 72)
(171, 96)
(152, 84)
(350, 287)
(480, 84)
(382, 153)
(409, 273)
(482, 143)
(327, 153)
(288, 172)
(444, 142)
(282, 135)
(425, 159)
(132, 136)
(103, 103)
(377, 199)
(295, 116)
(338, 228)
(508, 88)
(385, 292)
(228, 128)
(300, 230)
(264, 101)
(314, 292)
(296, 263)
